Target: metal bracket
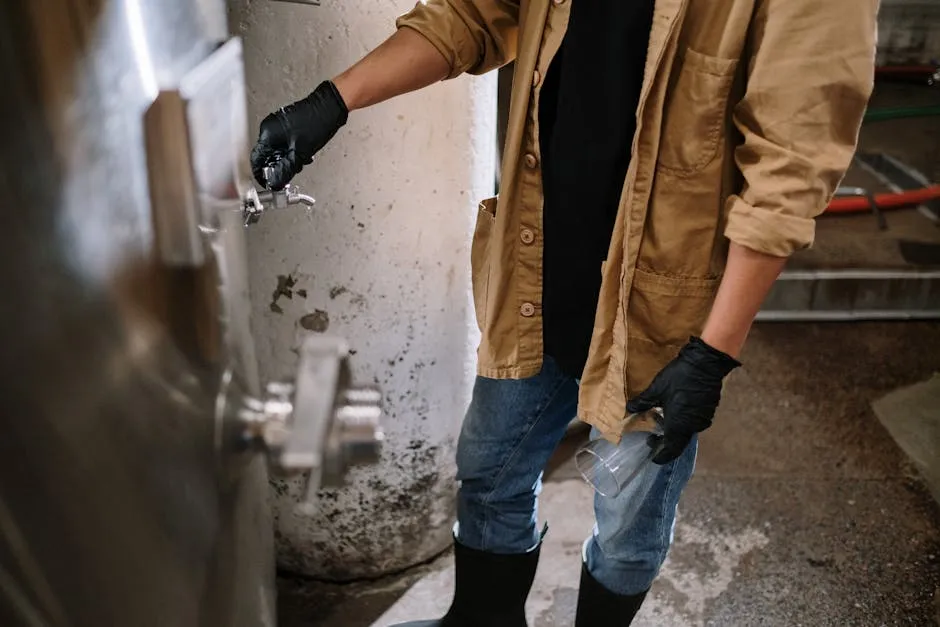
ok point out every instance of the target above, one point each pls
(335, 424)
(174, 198)
(195, 135)
(318, 424)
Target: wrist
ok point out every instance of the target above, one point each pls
(348, 90)
(728, 341)
(728, 324)
(710, 358)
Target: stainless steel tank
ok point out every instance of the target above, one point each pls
(136, 437)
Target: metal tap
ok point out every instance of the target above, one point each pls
(258, 201)
(319, 424)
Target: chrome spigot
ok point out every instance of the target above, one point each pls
(258, 201)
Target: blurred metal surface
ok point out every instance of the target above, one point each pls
(125, 325)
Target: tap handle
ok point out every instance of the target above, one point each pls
(268, 172)
(257, 201)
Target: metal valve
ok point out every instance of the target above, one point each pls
(321, 423)
(258, 201)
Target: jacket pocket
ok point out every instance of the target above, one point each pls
(695, 118)
(666, 310)
(480, 257)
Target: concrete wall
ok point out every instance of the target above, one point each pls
(383, 260)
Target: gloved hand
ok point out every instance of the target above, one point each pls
(688, 390)
(289, 137)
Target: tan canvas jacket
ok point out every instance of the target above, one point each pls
(748, 118)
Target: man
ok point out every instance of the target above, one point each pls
(662, 161)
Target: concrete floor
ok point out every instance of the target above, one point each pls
(803, 511)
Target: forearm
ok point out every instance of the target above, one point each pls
(748, 277)
(810, 74)
(405, 62)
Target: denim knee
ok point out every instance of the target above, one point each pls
(496, 502)
(511, 429)
(627, 558)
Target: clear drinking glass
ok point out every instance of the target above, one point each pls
(609, 468)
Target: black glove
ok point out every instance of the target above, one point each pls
(688, 390)
(289, 137)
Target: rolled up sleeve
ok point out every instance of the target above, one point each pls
(810, 76)
(475, 36)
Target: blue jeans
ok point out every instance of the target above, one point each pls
(508, 436)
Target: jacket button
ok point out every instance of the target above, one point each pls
(530, 160)
(527, 310)
(536, 78)
(527, 236)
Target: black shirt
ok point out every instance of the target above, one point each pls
(587, 119)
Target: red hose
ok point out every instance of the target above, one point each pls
(856, 204)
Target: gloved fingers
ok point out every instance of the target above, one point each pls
(274, 140)
(644, 401)
(261, 156)
(655, 441)
(673, 445)
(282, 171)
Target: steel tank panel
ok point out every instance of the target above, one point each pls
(115, 508)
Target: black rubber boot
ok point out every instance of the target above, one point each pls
(491, 590)
(598, 607)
